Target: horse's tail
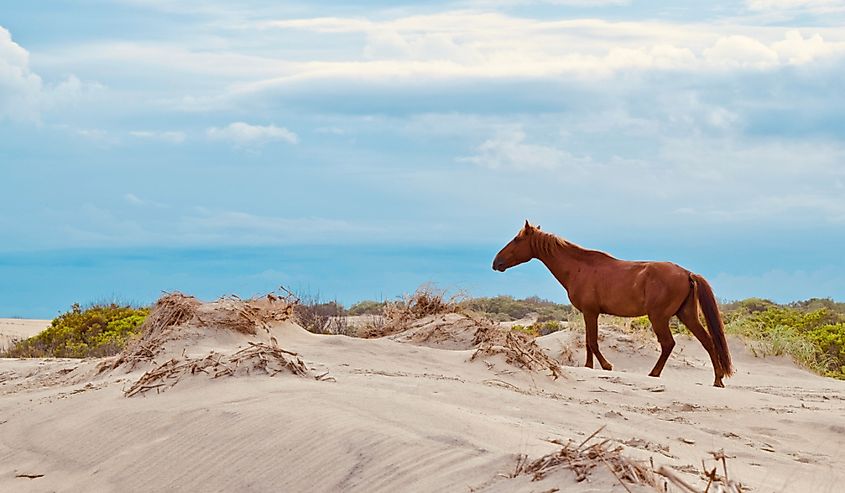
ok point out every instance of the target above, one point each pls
(707, 301)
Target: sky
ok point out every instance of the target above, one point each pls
(359, 148)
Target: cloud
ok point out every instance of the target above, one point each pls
(20, 89)
(133, 199)
(23, 94)
(797, 50)
(478, 47)
(136, 201)
(244, 135)
(172, 137)
(741, 51)
(509, 151)
(815, 6)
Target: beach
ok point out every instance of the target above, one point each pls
(400, 413)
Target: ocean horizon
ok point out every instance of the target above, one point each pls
(42, 284)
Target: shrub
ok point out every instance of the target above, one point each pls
(526, 329)
(504, 308)
(98, 330)
(830, 343)
(539, 328)
(814, 339)
(320, 317)
(367, 307)
(426, 300)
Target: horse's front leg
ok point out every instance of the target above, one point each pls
(591, 321)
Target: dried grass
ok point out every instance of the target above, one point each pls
(582, 460)
(174, 311)
(257, 358)
(519, 349)
(398, 315)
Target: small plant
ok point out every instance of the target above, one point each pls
(529, 330)
(506, 308)
(426, 300)
(814, 339)
(539, 328)
(321, 317)
(98, 330)
(367, 307)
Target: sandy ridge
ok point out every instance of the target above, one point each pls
(397, 416)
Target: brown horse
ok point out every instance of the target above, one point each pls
(598, 283)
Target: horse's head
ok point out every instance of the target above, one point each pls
(518, 251)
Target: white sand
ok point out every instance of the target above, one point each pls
(404, 417)
(12, 329)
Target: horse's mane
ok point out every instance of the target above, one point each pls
(550, 240)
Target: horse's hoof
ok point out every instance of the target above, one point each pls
(718, 383)
(608, 367)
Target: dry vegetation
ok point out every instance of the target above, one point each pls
(582, 459)
(174, 311)
(397, 315)
(811, 332)
(258, 358)
(176, 318)
(518, 348)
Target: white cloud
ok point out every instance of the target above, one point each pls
(818, 6)
(172, 137)
(796, 50)
(133, 199)
(468, 44)
(23, 94)
(741, 51)
(509, 151)
(568, 3)
(244, 134)
(20, 89)
(93, 134)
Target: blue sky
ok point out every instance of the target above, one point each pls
(411, 140)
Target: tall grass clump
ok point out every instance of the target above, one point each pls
(95, 331)
(814, 339)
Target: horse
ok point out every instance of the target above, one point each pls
(599, 283)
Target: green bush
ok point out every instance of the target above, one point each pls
(539, 328)
(525, 330)
(814, 339)
(98, 330)
(367, 307)
(504, 308)
(830, 344)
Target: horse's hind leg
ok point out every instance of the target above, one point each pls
(591, 320)
(667, 343)
(688, 314)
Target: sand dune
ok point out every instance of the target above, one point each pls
(403, 413)
(12, 329)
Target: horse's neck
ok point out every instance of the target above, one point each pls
(561, 258)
